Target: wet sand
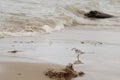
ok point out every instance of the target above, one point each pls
(11, 70)
(36, 54)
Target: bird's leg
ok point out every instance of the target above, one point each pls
(78, 56)
(78, 60)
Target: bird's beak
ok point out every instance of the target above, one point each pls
(72, 48)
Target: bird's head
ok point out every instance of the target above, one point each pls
(73, 49)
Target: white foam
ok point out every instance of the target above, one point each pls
(49, 29)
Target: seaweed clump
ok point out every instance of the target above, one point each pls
(66, 74)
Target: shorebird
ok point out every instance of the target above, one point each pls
(78, 52)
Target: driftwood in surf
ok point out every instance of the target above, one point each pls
(97, 14)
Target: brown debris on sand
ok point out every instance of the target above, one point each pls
(13, 51)
(66, 74)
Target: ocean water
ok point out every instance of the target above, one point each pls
(27, 17)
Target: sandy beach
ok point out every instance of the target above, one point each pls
(39, 34)
(36, 54)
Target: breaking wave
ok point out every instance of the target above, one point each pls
(27, 17)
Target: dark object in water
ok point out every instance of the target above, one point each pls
(97, 14)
